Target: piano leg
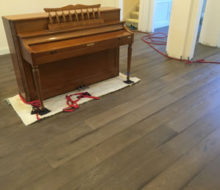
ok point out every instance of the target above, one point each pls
(36, 74)
(128, 81)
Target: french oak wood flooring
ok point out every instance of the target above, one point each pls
(161, 134)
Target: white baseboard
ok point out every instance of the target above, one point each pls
(214, 45)
(4, 51)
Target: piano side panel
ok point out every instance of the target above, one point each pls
(17, 60)
(64, 76)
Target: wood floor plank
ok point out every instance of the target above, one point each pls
(69, 151)
(143, 136)
(126, 140)
(21, 168)
(188, 166)
(192, 111)
(131, 168)
(208, 178)
(173, 85)
(122, 109)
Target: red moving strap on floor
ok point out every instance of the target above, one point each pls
(35, 104)
(73, 104)
(153, 39)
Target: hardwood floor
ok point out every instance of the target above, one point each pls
(161, 134)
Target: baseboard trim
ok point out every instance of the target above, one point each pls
(205, 43)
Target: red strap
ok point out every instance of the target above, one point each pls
(160, 39)
(35, 103)
(73, 104)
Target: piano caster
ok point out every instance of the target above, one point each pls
(40, 111)
(129, 81)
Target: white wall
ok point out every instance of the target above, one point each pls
(154, 14)
(210, 32)
(111, 3)
(12, 7)
(162, 13)
(183, 30)
(146, 15)
(128, 7)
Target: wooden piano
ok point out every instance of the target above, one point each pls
(64, 48)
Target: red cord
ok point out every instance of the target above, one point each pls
(73, 104)
(35, 103)
(160, 39)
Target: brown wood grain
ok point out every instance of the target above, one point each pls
(165, 127)
(78, 57)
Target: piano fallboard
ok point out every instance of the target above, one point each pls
(50, 51)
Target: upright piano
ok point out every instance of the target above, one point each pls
(64, 48)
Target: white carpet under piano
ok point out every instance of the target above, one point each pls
(58, 103)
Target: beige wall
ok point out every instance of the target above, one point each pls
(10, 7)
(183, 30)
(110, 3)
(210, 32)
(128, 7)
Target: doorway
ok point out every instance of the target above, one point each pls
(162, 12)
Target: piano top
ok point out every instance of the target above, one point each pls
(33, 16)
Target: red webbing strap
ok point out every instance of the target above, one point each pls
(73, 104)
(160, 39)
(35, 103)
